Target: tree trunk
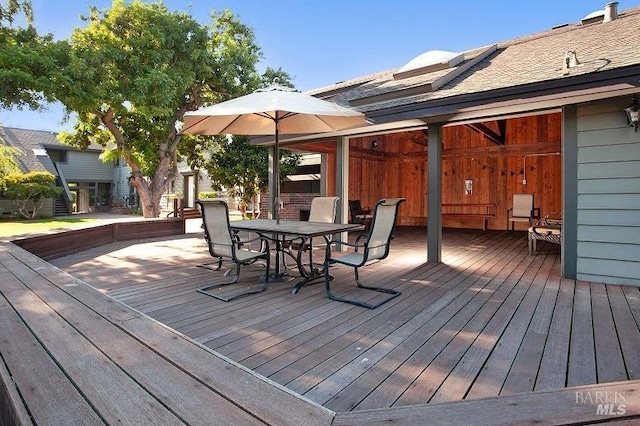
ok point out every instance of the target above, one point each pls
(149, 190)
(150, 200)
(150, 194)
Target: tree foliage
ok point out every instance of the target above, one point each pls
(26, 58)
(134, 71)
(243, 168)
(8, 162)
(28, 191)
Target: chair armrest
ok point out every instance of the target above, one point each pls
(237, 239)
(356, 245)
(264, 242)
(347, 243)
(535, 213)
(553, 219)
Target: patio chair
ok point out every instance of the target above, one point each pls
(360, 214)
(522, 210)
(323, 209)
(369, 248)
(225, 244)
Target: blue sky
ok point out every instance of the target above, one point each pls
(321, 42)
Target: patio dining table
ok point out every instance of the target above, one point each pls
(288, 231)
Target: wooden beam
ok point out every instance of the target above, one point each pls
(497, 138)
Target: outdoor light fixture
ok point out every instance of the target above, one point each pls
(632, 113)
(374, 144)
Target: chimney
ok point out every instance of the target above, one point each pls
(610, 11)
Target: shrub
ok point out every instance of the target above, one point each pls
(208, 194)
(29, 191)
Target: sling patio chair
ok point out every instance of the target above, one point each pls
(323, 209)
(522, 210)
(369, 248)
(225, 244)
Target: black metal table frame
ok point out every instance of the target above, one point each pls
(291, 230)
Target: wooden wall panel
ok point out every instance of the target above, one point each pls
(397, 167)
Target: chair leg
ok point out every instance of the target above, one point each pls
(330, 295)
(265, 284)
(207, 265)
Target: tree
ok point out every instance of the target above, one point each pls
(29, 191)
(134, 71)
(8, 162)
(242, 168)
(26, 59)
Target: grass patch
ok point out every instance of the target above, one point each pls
(13, 227)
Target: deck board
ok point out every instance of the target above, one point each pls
(582, 357)
(553, 366)
(489, 321)
(609, 361)
(627, 331)
(524, 370)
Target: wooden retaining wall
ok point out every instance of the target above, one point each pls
(51, 246)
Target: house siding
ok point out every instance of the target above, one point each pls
(608, 219)
(86, 167)
(121, 191)
(8, 209)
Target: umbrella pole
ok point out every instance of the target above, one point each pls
(276, 175)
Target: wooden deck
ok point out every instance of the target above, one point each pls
(72, 356)
(490, 321)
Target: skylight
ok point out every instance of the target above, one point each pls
(433, 60)
(596, 16)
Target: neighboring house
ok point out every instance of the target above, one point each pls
(542, 114)
(89, 182)
(186, 186)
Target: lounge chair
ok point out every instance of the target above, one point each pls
(548, 229)
(225, 244)
(369, 248)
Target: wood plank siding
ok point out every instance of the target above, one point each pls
(397, 167)
(608, 224)
(86, 167)
(489, 322)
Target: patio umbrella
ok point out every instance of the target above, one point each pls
(274, 110)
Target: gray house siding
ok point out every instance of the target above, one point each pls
(121, 191)
(85, 166)
(8, 209)
(608, 220)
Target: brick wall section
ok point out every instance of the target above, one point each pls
(293, 204)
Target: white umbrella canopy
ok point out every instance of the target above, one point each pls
(255, 114)
(272, 111)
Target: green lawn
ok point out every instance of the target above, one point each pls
(10, 228)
